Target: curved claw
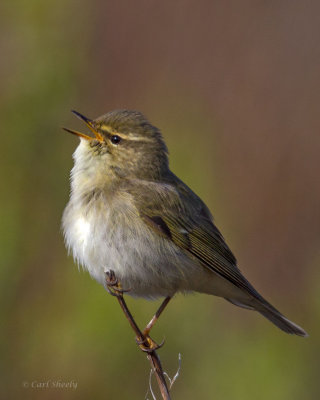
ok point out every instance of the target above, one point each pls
(113, 285)
(148, 345)
(162, 343)
(111, 291)
(115, 291)
(122, 290)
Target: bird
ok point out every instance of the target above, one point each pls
(130, 214)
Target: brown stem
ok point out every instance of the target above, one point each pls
(157, 367)
(145, 342)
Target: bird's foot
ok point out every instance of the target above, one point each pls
(113, 285)
(147, 344)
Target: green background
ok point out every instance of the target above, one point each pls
(235, 89)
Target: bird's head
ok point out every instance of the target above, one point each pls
(124, 144)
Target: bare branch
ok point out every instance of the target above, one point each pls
(144, 341)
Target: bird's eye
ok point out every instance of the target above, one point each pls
(115, 139)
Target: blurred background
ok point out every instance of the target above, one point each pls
(235, 88)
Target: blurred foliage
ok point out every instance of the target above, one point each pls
(235, 90)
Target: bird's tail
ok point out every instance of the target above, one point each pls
(272, 314)
(281, 321)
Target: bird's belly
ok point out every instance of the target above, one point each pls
(148, 265)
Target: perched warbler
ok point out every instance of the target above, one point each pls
(130, 214)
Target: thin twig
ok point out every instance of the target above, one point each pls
(176, 375)
(145, 343)
(150, 386)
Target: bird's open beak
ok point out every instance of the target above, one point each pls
(90, 125)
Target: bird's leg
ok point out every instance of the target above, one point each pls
(143, 339)
(156, 316)
(152, 322)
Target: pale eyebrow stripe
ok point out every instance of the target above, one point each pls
(108, 130)
(135, 138)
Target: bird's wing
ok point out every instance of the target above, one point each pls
(186, 221)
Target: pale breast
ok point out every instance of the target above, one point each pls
(103, 237)
(89, 234)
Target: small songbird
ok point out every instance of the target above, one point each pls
(130, 214)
